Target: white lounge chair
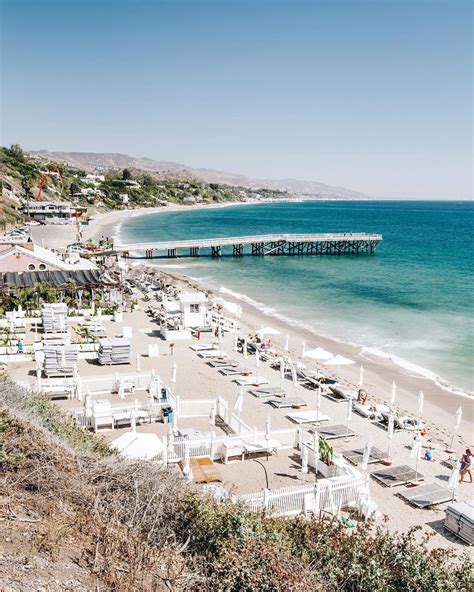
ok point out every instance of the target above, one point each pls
(307, 416)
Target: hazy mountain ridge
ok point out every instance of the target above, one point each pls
(91, 160)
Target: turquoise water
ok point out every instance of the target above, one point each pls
(411, 301)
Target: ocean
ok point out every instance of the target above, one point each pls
(410, 302)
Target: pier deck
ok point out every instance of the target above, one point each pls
(260, 245)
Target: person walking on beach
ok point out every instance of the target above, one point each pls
(19, 346)
(466, 464)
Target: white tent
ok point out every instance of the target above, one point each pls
(339, 361)
(138, 445)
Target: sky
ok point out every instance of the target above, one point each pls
(371, 95)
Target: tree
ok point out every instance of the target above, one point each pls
(73, 189)
(16, 152)
(26, 183)
(126, 174)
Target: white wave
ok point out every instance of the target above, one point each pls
(414, 369)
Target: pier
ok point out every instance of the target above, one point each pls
(258, 246)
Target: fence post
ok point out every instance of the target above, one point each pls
(266, 498)
(317, 499)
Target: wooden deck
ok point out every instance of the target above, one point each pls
(346, 243)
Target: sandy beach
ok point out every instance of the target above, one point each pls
(196, 380)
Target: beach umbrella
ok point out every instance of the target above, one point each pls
(212, 416)
(453, 482)
(282, 371)
(133, 422)
(361, 376)
(415, 453)
(457, 423)
(99, 316)
(391, 426)
(303, 349)
(319, 397)
(137, 363)
(304, 459)
(393, 394)
(421, 399)
(233, 308)
(318, 353)
(287, 343)
(239, 402)
(267, 331)
(121, 390)
(316, 452)
(93, 308)
(257, 365)
(294, 376)
(348, 413)
(173, 373)
(339, 361)
(366, 455)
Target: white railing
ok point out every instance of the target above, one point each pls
(241, 240)
(106, 384)
(239, 426)
(199, 408)
(288, 438)
(327, 495)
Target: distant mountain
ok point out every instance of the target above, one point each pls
(93, 160)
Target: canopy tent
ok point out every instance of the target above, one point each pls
(318, 353)
(81, 278)
(138, 445)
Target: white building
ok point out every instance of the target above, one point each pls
(193, 309)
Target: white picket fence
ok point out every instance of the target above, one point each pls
(326, 495)
(106, 384)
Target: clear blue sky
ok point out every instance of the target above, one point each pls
(373, 95)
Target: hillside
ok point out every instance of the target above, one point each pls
(91, 161)
(77, 517)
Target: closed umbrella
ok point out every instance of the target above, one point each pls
(318, 353)
(294, 376)
(268, 432)
(319, 397)
(421, 399)
(239, 403)
(393, 394)
(366, 455)
(282, 371)
(245, 353)
(453, 482)
(304, 460)
(316, 452)
(391, 426)
(121, 389)
(173, 373)
(457, 423)
(287, 343)
(303, 349)
(186, 463)
(133, 422)
(339, 361)
(361, 376)
(257, 365)
(137, 363)
(212, 416)
(416, 451)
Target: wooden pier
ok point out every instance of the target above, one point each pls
(258, 246)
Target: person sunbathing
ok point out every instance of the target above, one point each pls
(466, 464)
(362, 396)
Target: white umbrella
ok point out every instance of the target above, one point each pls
(421, 399)
(316, 452)
(133, 422)
(121, 390)
(457, 423)
(294, 376)
(393, 395)
(245, 351)
(239, 402)
(233, 308)
(282, 371)
(137, 363)
(453, 482)
(339, 361)
(391, 426)
(348, 413)
(257, 365)
(318, 353)
(287, 343)
(186, 463)
(212, 416)
(361, 376)
(268, 432)
(267, 331)
(173, 373)
(304, 460)
(93, 308)
(303, 349)
(366, 455)
(319, 397)
(416, 451)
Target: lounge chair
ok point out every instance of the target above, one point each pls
(212, 353)
(251, 380)
(307, 416)
(233, 371)
(269, 391)
(199, 347)
(372, 412)
(223, 363)
(284, 403)
(340, 394)
(403, 422)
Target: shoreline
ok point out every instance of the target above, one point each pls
(440, 402)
